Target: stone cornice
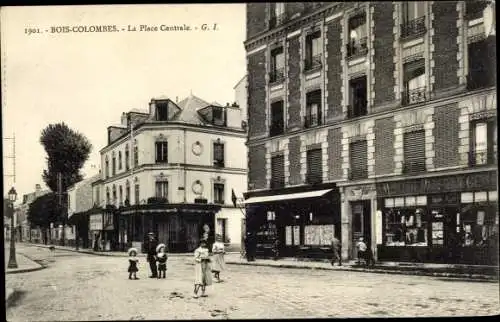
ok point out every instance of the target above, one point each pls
(265, 36)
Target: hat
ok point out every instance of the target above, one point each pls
(130, 250)
(151, 233)
(160, 246)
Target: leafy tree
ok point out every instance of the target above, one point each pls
(43, 211)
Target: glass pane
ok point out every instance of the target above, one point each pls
(467, 197)
(421, 200)
(480, 196)
(411, 201)
(280, 61)
(419, 9)
(493, 195)
(399, 202)
(389, 203)
(481, 137)
(357, 222)
(316, 46)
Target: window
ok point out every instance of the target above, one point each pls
(97, 199)
(413, 19)
(278, 16)
(218, 154)
(483, 142)
(357, 97)
(136, 194)
(120, 190)
(219, 193)
(120, 160)
(218, 116)
(277, 171)
(414, 80)
(162, 189)
(405, 221)
(357, 44)
(482, 63)
(277, 119)
(358, 154)
(314, 166)
(162, 110)
(127, 158)
(113, 165)
(127, 194)
(414, 152)
(313, 109)
(136, 154)
(474, 9)
(108, 197)
(114, 195)
(222, 228)
(477, 223)
(313, 51)
(277, 65)
(107, 167)
(161, 152)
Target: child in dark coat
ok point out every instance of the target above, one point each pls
(161, 258)
(133, 262)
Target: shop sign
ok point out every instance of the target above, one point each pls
(358, 192)
(464, 182)
(95, 222)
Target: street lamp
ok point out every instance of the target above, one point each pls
(12, 258)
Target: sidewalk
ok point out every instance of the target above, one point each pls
(24, 264)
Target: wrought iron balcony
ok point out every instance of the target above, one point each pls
(277, 20)
(277, 128)
(479, 158)
(357, 173)
(357, 109)
(219, 163)
(414, 96)
(277, 183)
(277, 75)
(413, 28)
(157, 200)
(357, 47)
(313, 62)
(478, 80)
(312, 121)
(414, 166)
(314, 178)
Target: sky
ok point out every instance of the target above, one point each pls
(88, 79)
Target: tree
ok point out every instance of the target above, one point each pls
(43, 211)
(67, 150)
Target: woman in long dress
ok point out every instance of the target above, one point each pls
(202, 276)
(218, 263)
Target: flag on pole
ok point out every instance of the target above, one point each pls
(233, 197)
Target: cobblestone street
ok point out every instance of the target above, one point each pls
(86, 287)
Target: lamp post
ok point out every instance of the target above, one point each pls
(12, 257)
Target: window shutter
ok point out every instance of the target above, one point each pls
(414, 151)
(413, 69)
(277, 171)
(359, 159)
(314, 166)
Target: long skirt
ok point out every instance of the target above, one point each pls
(202, 275)
(218, 263)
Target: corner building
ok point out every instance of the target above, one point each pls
(373, 119)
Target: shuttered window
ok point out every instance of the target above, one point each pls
(277, 171)
(359, 160)
(314, 166)
(414, 152)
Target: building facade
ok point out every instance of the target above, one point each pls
(24, 231)
(171, 170)
(383, 113)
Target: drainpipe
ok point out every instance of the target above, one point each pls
(185, 172)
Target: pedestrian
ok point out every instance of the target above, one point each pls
(133, 262)
(361, 246)
(218, 263)
(151, 254)
(202, 274)
(276, 249)
(369, 258)
(336, 247)
(161, 258)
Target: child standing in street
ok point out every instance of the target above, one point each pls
(361, 246)
(202, 272)
(133, 262)
(161, 258)
(218, 263)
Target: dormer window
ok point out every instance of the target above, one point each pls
(162, 110)
(218, 116)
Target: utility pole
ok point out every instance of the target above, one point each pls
(13, 173)
(61, 205)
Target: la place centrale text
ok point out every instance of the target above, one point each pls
(115, 28)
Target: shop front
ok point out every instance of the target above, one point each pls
(103, 231)
(298, 222)
(179, 226)
(445, 219)
(80, 221)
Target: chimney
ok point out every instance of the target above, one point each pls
(227, 104)
(38, 187)
(177, 99)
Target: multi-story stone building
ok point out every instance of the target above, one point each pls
(373, 119)
(171, 170)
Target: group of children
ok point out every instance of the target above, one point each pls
(161, 260)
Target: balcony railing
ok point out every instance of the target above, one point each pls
(474, 9)
(277, 20)
(357, 47)
(414, 96)
(312, 121)
(477, 80)
(356, 174)
(219, 163)
(479, 158)
(277, 128)
(356, 110)
(277, 183)
(313, 62)
(277, 75)
(415, 166)
(157, 200)
(413, 28)
(314, 178)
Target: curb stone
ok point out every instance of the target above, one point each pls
(27, 270)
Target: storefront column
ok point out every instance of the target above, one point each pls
(374, 225)
(345, 218)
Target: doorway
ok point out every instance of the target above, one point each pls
(361, 224)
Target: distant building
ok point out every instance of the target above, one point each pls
(24, 231)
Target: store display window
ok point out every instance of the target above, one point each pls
(477, 224)
(405, 221)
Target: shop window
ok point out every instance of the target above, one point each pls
(313, 109)
(277, 73)
(481, 63)
(358, 160)
(357, 97)
(405, 221)
(278, 14)
(318, 235)
(313, 51)
(414, 152)
(161, 188)
(292, 235)
(120, 160)
(219, 193)
(477, 223)
(483, 142)
(413, 19)
(271, 216)
(162, 110)
(277, 119)
(222, 228)
(414, 82)
(277, 171)
(357, 44)
(314, 172)
(137, 199)
(161, 149)
(218, 154)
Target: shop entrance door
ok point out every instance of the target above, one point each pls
(361, 224)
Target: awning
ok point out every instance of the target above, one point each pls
(298, 195)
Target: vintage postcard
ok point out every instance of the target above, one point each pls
(250, 160)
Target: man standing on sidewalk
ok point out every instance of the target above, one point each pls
(151, 254)
(336, 247)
